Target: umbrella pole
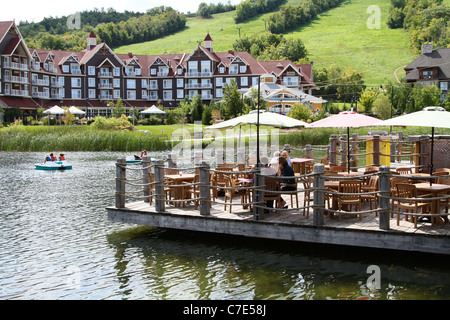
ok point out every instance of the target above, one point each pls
(348, 149)
(432, 151)
(257, 124)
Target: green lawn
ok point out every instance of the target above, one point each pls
(339, 36)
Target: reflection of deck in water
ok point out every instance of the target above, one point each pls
(292, 225)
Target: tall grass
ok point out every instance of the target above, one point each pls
(76, 138)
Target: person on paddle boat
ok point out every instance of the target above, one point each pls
(143, 154)
(61, 157)
(286, 171)
(47, 158)
(52, 157)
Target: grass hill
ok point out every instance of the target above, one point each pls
(339, 36)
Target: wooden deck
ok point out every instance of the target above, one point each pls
(292, 225)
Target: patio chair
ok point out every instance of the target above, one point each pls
(372, 186)
(232, 193)
(404, 171)
(352, 188)
(272, 184)
(308, 196)
(394, 182)
(338, 168)
(218, 180)
(292, 191)
(406, 190)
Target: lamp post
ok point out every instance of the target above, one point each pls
(257, 124)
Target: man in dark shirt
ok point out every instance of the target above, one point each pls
(286, 184)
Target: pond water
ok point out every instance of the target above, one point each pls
(57, 243)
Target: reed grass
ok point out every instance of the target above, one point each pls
(76, 138)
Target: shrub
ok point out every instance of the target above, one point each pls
(121, 124)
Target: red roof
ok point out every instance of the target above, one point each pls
(208, 38)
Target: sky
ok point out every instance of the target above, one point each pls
(35, 11)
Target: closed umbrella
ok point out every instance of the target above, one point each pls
(345, 119)
(428, 117)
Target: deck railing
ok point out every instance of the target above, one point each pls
(155, 190)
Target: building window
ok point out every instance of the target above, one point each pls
(428, 74)
(138, 71)
(179, 71)
(65, 68)
(243, 69)
(76, 94)
(244, 81)
(144, 83)
(76, 82)
(116, 94)
(222, 69)
(444, 86)
(167, 95)
(116, 72)
(131, 94)
(180, 94)
(167, 84)
(91, 70)
(116, 83)
(219, 82)
(180, 83)
(152, 72)
(131, 84)
(61, 93)
(234, 69)
(91, 82)
(219, 93)
(91, 93)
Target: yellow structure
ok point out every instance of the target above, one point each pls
(385, 148)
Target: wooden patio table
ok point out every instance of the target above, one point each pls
(178, 179)
(302, 162)
(435, 189)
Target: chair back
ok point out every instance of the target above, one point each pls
(403, 171)
(296, 167)
(171, 172)
(271, 184)
(443, 180)
(395, 181)
(350, 186)
(226, 165)
(338, 168)
(406, 190)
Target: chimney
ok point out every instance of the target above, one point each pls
(91, 41)
(130, 54)
(427, 48)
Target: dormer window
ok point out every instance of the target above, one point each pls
(138, 71)
(179, 71)
(428, 74)
(234, 69)
(222, 70)
(243, 69)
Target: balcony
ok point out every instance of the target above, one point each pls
(19, 93)
(196, 74)
(206, 96)
(199, 86)
(40, 82)
(104, 97)
(105, 86)
(76, 71)
(105, 75)
(57, 84)
(152, 86)
(41, 95)
(57, 96)
(152, 98)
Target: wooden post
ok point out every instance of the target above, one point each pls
(160, 204)
(146, 162)
(205, 193)
(171, 160)
(333, 150)
(121, 175)
(308, 153)
(343, 150)
(384, 203)
(376, 150)
(259, 194)
(319, 202)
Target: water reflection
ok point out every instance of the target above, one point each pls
(187, 265)
(58, 244)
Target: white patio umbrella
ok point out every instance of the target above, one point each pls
(54, 110)
(153, 110)
(265, 119)
(75, 110)
(428, 117)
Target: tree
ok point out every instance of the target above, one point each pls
(207, 116)
(232, 101)
(196, 108)
(117, 108)
(425, 96)
(301, 112)
(367, 99)
(352, 85)
(382, 106)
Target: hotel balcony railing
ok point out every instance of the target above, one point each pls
(105, 74)
(198, 85)
(152, 86)
(105, 97)
(198, 74)
(15, 92)
(57, 96)
(40, 82)
(152, 98)
(105, 86)
(76, 71)
(57, 84)
(41, 95)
